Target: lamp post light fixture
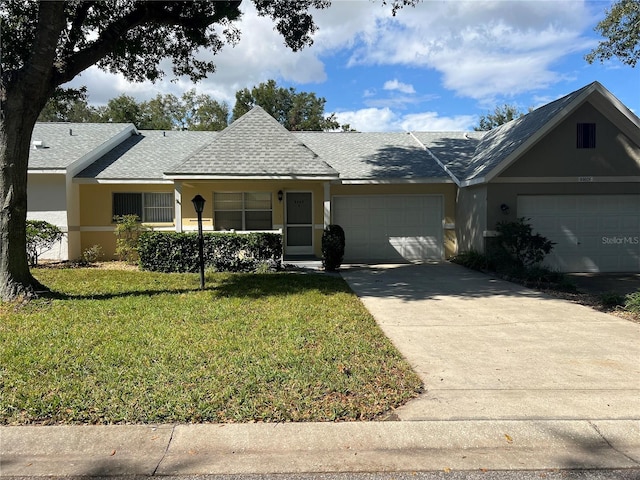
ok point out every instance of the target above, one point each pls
(198, 204)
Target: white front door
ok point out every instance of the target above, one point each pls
(299, 223)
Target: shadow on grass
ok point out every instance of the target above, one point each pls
(241, 285)
(264, 285)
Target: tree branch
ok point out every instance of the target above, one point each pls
(145, 13)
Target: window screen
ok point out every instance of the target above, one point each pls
(149, 207)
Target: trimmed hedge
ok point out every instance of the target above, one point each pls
(224, 252)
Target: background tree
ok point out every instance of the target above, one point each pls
(160, 113)
(295, 111)
(123, 109)
(500, 115)
(46, 44)
(201, 112)
(621, 29)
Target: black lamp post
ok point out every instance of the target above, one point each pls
(198, 204)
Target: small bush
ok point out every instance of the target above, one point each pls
(92, 254)
(41, 237)
(611, 299)
(525, 248)
(471, 259)
(128, 231)
(333, 243)
(632, 302)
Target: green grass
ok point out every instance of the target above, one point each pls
(115, 346)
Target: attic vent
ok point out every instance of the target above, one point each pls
(38, 144)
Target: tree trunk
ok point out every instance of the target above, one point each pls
(23, 94)
(15, 135)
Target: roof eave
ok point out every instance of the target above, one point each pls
(179, 176)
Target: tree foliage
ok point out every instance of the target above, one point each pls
(501, 115)
(621, 30)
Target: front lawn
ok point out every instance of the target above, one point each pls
(115, 346)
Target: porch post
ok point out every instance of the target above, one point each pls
(327, 203)
(177, 193)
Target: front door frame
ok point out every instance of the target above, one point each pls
(298, 249)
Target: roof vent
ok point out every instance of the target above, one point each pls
(38, 144)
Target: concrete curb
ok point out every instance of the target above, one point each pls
(318, 447)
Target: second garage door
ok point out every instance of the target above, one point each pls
(593, 233)
(391, 227)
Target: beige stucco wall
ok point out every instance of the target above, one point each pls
(446, 190)
(96, 223)
(556, 155)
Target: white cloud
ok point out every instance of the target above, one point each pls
(386, 120)
(482, 49)
(399, 86)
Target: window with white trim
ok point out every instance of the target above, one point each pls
(242, 211)
(150, 207)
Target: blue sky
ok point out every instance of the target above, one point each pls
(438, 66)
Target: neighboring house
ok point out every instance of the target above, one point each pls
(572, 167)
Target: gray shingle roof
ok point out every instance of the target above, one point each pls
(454, 150)
(255, 145)
(373, 156)
(62, 149)
(148, 155)
(498, 144)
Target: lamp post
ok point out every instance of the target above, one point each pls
(198, 204)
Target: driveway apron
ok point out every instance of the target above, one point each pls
(490, 349)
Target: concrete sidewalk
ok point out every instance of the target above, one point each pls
(319, 447)
(515, 380)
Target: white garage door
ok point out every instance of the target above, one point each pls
(390, 227)
(593, 233)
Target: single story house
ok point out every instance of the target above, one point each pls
(572, 167)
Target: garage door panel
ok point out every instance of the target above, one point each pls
(593, 233)
(398, 227)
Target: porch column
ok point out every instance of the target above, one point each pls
(327, 203)
(177, 194)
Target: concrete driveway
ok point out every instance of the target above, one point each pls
(490, 349)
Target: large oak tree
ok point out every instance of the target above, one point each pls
(45, 44)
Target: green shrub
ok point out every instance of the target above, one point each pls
(223, 252)
(333, 243)
(128, 231)
(632, 302)
(520, 243)
(611, 299)
(471, 259)
(41, 237)
(92, 254)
